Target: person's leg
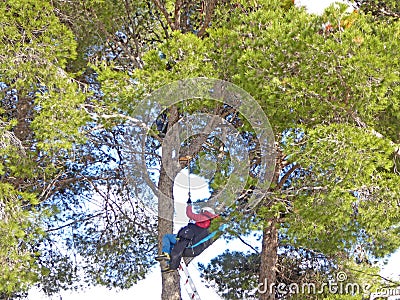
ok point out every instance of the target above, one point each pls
(185, 235)
(176, 253)
(168, 242)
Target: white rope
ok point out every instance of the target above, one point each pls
(187, 139)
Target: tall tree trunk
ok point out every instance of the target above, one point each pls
(269, 259)
(171, 289)
(170, 281)
(269, 251)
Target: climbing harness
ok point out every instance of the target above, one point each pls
(209, 237)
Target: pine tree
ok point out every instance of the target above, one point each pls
(328, 84)
(40, 122)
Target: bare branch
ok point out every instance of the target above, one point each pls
(247, 244)
(209, 11)
(177, 13)
(286, 176)
(74, 222)
(376, 275)
(164, 11)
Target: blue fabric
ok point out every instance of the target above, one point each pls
(168, 242)
(210, 236)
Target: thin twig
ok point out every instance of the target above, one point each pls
(247, 244)
(74, 222)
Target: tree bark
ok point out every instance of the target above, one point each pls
(269, 259)
(170, 281)
(269, 250)
(22, 130)
(171, 289)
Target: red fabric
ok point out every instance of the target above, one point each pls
(202, 220)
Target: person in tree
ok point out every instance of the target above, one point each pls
(174, 246)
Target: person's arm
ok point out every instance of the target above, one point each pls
(193, 216)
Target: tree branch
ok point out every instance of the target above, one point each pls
(209, 10)
(164, 11)
(74, 222)
(286, 176)
(247, 244)
(177, 13)
(362, 124)
(376, 275)
(122, 116)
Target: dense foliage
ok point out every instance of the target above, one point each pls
(72, 211)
